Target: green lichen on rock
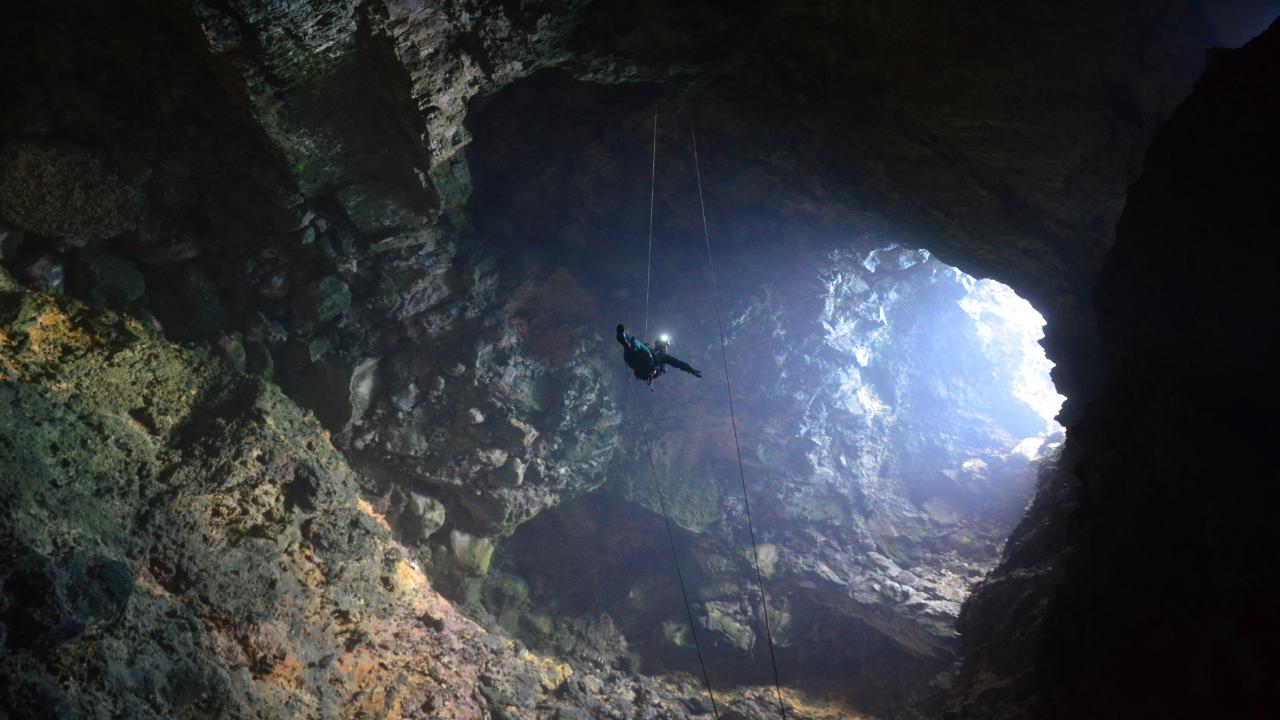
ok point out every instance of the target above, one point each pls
(728, 626)
(693, 503)
(471, 554)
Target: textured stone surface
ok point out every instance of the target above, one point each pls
(484, 216)
(62, 190)
(886, 458)
(181, 541)
(1140, 583)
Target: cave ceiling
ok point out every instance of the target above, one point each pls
(421, 219)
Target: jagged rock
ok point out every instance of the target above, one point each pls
(260, 328)
(7, 283)
(1188, 401)
(1015, 158)
(321, 301)
(405, 398)
(338, 392)
(202, 311)
(10, 246)
(375, 210)
(363, 383)
(471, 553)
(512, 472)
(405, 442)
(725, 626)
(249, 519)
(505, 592)
(159, 243)
(60, 190)
(231, 349)
(258, 359)
(428, 513)
(113, 282)
(46, 272)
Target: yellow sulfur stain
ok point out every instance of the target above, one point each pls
(551, 673)
(412, 581)
(367, 509)
(819, 709)
(288, 673)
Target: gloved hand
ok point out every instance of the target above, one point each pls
(619, 331)
(697, 373)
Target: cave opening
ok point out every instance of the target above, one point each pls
(893, 418)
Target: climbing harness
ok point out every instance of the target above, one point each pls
(724, 353)
(653, 374)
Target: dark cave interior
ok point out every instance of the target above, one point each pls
(309, 405)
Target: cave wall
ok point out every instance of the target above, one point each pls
(1141, 583)
(387, 210)
(297, 186)
(880, 442)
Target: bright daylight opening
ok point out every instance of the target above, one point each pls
(1008, 324)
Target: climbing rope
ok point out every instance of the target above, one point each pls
(724, 353)
(653, 176)
(675, 558)
(644, 437)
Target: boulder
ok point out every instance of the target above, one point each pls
(376, 210)
(337, 391)
(405, 441)
(60, 190)
(321, 301)
(472, 554)
(511, 473)
(231, 349)
(364, 375)
(47, 273)
(429, 510)
(10, 245)
(7, 283)
(258, 359)
(111, 281)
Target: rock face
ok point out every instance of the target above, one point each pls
(415, 219)
(182, 542)
(1139, 585)
(887, 459)
(286, 191)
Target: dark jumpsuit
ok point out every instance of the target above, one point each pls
(644, 361)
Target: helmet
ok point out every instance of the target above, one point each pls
(661, 344)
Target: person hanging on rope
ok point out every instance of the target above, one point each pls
(648, 363)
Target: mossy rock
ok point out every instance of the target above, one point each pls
(7, 283)
(694, 504)
(112, 281)
(727, 627)
(471, 554)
